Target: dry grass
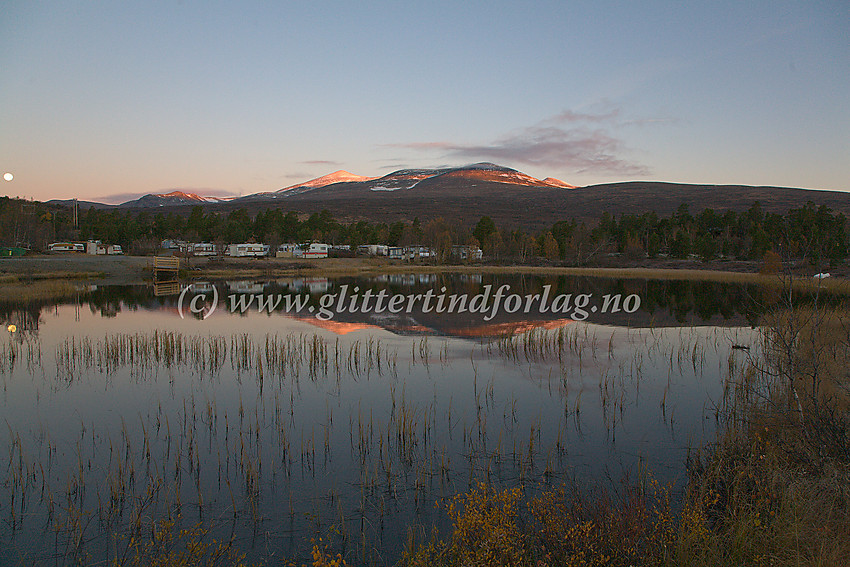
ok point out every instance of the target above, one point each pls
(809, 353)
(17, 290)
(8, 278)
(774, 490)
(376, 266)
(753, 503)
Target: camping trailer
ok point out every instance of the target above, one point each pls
(315, 250)
(66, 247)
(247, 250)
(202, 249)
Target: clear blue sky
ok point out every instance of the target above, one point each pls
(114, 99)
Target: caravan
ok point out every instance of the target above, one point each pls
(311, 250)
(66, 247)
(315, 250)
(247, 250)
(201, 249)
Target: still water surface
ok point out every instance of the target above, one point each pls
(275, 429)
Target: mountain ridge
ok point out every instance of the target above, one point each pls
(511, 198)
(400, 179)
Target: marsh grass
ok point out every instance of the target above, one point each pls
(16, 290)
(272, 356)
(775, 490)
(7, 278)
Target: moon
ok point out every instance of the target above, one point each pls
(8, 176)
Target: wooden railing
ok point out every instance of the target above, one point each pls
(169, 263)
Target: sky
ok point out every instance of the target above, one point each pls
(113, 100)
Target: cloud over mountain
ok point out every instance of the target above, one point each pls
(575, 141)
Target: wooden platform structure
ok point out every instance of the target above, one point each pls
(166, 264)
(165, 271)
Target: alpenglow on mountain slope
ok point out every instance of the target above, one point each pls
(172, 198)
(409, 178)
(511, 198)
(401, 179)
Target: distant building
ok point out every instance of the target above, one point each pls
(171, 244)
(467, 252)
(288, 250)
(415, 252)
(98, 248)
(373, 249)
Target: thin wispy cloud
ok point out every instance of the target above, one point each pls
(649, 121)
(296, 175)
(570, 116)
(582, 142)
(320, 162)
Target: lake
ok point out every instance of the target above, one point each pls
(131, 404)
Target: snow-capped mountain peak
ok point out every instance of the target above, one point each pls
(340, 176)
(176, 197)
(181, 195)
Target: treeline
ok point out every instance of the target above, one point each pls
(809, 232)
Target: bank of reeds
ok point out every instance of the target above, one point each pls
(272, 356)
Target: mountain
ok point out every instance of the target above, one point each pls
(464, 195)
(173, 198)
(558, 183)
(340, 176)
(81, 205)
(151, 200)
(402, 179)
(511, 198)
(410, 178)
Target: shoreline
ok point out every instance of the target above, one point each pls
(126, 270)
